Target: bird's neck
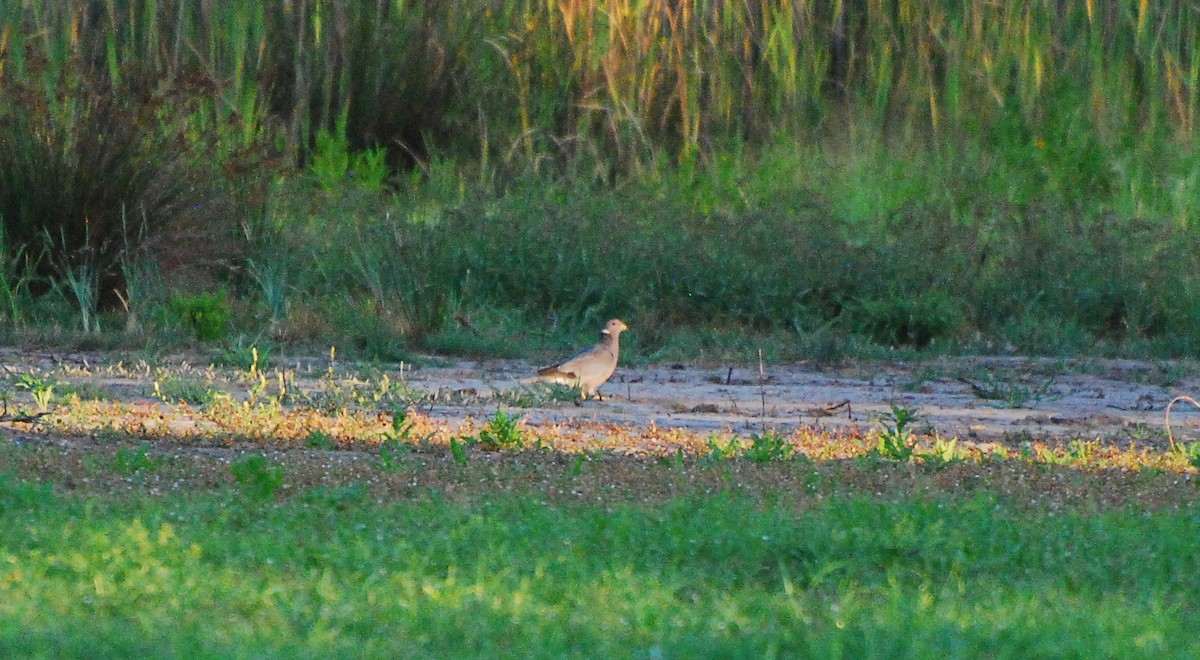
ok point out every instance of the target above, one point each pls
(609, 340)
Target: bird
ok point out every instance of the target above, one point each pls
(589, 368)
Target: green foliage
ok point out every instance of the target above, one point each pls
(1191, 451)
(172, 389)
(854, 576)
(39, 387)
(129, 461)
(763, 447)
(768, 446)
(909, 320)
(256, 476)
(319, 440)
(398, 441)
(947, 451)
(502, 432)
(920, 180)
(459, 452)
(1008, 392)
(719, 452)
(896, 442)
(249, 357)
(205, 314)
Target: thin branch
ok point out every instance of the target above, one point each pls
(1167, 415)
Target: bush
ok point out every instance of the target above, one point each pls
(205, 314)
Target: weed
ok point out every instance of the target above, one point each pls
(720, 452)
(87, 391)
(256, 476)
(896, 442)
(947, 451)
(1009, 393)
(501, 432)
(1079, 452)
(248, 357)
(41, 389)
(205, 314)
(319, 439)
(398, 441)
(538, 395)
(1190, 451)
(459, 451)
(129, 462)
(768, 446)
(172, 389)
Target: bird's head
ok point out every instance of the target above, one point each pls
(614, 327)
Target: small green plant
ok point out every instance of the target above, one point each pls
(768, 446)
(369, 168)
(538, 395)
(719, 452)
(247, 357)
(40, 388)
(131, 461)
(205, 314)
(319, 439)
(946, 451)
(177, 389)
(1008, 394)
(256, 476)
(1191, 452)
(331, 158)
(459, 451)
(398, 440)
(896, 442)
(1079, 452)
(501, 432)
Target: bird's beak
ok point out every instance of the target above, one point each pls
(624, 327)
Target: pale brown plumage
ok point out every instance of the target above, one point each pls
(589, 368)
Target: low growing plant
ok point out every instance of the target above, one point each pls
(257, 477)
(41, 389)
(768, 446)
(896, 442)
(502, 432)
(205, 314)
(131, 461)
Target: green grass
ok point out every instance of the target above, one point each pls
(836, 179)
(334, 572)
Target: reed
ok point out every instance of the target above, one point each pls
(624, 79)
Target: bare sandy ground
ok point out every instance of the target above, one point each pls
(982, 400)
(978, 399)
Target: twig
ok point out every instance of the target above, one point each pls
(28, 419)
(762, 388)
(1167, 415)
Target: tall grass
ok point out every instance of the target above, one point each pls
(913, 170)
(625, 80)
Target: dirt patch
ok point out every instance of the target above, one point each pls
(979, 400)
(992, 399)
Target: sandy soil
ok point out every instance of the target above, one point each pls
(980, 399)
(974, 399)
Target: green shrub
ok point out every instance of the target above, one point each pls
(256, 476)
(205, 314)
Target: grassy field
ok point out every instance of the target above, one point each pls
(522, 555)
(212, 511)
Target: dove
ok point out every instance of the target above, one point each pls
(589, 368)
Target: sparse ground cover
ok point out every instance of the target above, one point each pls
(360, 515)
